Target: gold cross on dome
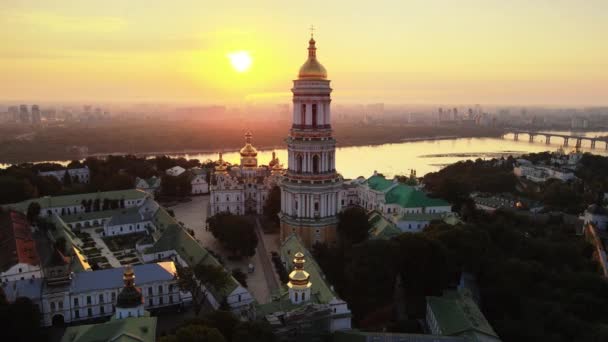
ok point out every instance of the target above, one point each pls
(312, 31)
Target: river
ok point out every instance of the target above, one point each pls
(423, 156)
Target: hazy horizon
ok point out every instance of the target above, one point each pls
(517, 53)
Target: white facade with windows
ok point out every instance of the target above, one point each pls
(90, 295)
(80, 175)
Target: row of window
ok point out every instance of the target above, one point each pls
(102, 308)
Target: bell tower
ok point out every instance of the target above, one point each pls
(310, 186)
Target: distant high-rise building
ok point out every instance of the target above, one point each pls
(35, 114)
(13, 112)
(24, 114)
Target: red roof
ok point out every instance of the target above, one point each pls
(16, 242)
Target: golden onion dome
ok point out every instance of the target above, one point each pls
(248, 150)
(312, 69)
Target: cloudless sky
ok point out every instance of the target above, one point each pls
(551, 52)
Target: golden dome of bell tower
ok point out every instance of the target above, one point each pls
(312, 69)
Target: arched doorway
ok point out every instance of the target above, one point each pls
(58, 320)
(315, 164)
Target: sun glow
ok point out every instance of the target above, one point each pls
(240, 60)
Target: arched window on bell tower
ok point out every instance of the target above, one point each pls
(299, 163)
(314, 115)
(303, 115)
(315, 164)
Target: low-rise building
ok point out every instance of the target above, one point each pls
(175, 171)
(199, 182)
(75, 204)
(455, 313)
(78, 175)
(66, 297)
(130, 322)
(18, 255)
(176, 244)
(150, 185)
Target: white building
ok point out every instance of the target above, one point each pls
(18, 256)
(64, 298)
(150, 185)
(79, 175)
(132, 220)
(541, 173)
(199, 184)
(177, 245)
(175, 171)
(74, 204)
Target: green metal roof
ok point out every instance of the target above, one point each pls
(320, 288)
(408, 197)
(457, 314)
(141, 329)
(174, 237)
(73, 200)
(379, 183)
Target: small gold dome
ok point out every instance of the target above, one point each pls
(312, 69)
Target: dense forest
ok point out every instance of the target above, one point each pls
(536, 282)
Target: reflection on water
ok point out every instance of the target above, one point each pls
(423, 156)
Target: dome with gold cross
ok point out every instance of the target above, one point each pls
(248, 152)
(312, 69)
(299, 278)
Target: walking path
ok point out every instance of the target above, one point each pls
(105, 251)
(269, 273)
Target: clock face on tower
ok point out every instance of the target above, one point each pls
(311, 186)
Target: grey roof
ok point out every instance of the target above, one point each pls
(112, 278)
(127, 216)
(31, 288)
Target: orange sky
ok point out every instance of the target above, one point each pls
(407, 51)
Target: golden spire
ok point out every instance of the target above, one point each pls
(299, 278)
(129, 276)
(312, 69)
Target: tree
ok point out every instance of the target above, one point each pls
(272, 207)
(33, 211)
(212, 277)
(224, 321)
(67, 179)
(21, 319)
(60, 244)
(240, 276)
(187, 282)
(353, 225)
(194, 333)
(235, 233)
(257, 331)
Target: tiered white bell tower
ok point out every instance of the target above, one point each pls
(310, 187)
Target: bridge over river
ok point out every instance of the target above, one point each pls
(567, 138)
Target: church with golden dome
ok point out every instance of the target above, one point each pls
(243, 189)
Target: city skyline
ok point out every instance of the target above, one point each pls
(486, 52)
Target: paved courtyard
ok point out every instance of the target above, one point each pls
(194, 214)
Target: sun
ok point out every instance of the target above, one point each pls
(240, 60)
